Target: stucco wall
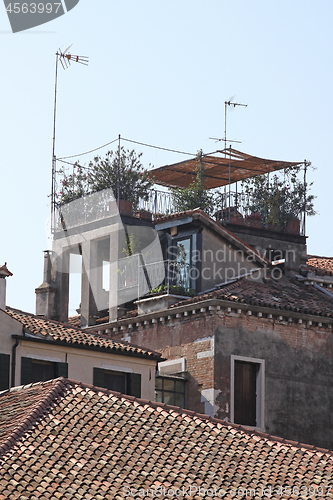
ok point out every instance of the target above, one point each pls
(220, 261)
(81, 363)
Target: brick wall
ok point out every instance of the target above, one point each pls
(298, 360)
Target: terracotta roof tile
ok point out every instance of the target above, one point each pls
(320, 265)
(91, 443)
(278, 294)
(75, 321)
(42, 328)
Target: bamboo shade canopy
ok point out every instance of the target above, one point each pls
(217, 169)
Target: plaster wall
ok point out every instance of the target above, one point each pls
(220, 261)
(8, 327)
(295, 253)
(81, 363)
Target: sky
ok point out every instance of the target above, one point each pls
(159, 73)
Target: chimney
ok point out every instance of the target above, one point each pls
(4, 273)
(46, 292)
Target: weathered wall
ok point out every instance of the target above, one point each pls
(290, 246)
(298, 365)
(220, 261)
(298, 374)
(191, 338)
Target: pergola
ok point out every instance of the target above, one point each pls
(217, 171)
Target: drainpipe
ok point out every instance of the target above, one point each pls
(14, 362)
(326, 292)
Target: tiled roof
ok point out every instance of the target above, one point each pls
(16, 410)
(75, 321)
(42, 328)
(278, 294)
(320, 265)
(88, 443)
(283, 294)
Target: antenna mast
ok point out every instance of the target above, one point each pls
(226, 104)
(65, 59)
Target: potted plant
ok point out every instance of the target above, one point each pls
(120, 170)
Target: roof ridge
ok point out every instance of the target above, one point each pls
(203, 417)
(35, 413)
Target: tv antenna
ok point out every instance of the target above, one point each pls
(226, 104)
(232, 105)
(65, 59)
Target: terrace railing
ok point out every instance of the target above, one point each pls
(146, 277)
(230, 206)
(96, 207)
(236, 208)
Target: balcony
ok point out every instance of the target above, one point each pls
(164, 276)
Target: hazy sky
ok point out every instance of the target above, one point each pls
(159, 73)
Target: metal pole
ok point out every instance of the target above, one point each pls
(236, 209)
(225, 128)
(229, 179)
(118, 180)
(53, 194)
(201, 181)
(304, 215)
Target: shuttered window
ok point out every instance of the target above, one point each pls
(36, 370)
(245, 402)
(126, 383)
(4, 371)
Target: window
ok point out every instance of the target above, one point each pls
(170, 391)
(125, 383)
(183, 263)
(4, 371)
(39, 370)
(115, 381)
(247, 391)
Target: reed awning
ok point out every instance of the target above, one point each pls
(230, 167)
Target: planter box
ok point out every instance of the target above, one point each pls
(144, 215)
(125, 207)
(294, 226)
(158, 302)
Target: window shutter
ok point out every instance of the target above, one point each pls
(134, 384)
(4, 371)
(245, 393)
(26, 370)
(61, 370)
(98, 377)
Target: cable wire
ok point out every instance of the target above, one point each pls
(73, 164)
(87, 152)
(157, 147)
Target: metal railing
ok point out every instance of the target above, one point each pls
(102, 205)
(236, 208)
(230, 206)
(132, 272)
